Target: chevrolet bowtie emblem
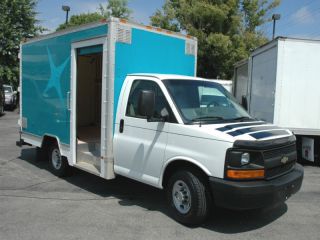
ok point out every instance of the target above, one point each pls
(284, 160)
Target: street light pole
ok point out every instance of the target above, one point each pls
(275, 17)
(66, 9)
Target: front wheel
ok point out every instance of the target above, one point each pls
(58, 164)
(188, 198)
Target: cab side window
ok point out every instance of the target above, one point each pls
(160, 100)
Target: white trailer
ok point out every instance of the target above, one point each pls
(282, 87)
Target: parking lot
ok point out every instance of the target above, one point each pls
(34, 204)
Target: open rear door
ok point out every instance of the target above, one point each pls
(87, 104)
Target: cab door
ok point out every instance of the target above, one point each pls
(139, 145)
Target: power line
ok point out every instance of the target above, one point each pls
(302, 18)
(299, 7)
(289, 26)
(313, 13)
(287, 21)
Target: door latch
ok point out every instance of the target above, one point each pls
(121, 126)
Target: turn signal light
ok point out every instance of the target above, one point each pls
(245, 174)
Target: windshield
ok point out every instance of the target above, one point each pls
(7, 89)
(204, 101)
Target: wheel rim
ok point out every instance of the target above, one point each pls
(181, 196)
(56, 159)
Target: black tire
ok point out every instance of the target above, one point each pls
(58, 164)
(200, 203)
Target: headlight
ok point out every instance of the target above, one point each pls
(244, 165)
(245, 159)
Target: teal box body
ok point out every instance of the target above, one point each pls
(45, 82)
(151, 52)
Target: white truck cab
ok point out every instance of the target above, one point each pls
(189, 136)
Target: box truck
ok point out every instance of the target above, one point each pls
(84, 105)
(279, 83)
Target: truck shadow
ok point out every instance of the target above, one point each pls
(132, 193)
(231, 222)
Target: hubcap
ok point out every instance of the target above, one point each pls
(56, 159)
(181, 196)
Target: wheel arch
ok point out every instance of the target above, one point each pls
(181, 162)
(48, 139)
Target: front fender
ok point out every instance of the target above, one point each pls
(182, 158)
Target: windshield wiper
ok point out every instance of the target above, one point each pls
(241, 119)
(207, 118)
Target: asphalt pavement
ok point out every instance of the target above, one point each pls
(35, 204)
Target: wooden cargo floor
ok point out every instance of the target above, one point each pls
(89, 134)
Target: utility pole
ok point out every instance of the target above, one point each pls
(66, 9)
(275, 17)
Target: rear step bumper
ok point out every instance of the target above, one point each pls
(256, 194)
(21, 143)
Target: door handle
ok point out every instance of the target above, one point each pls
(69, 101)
(121, 126)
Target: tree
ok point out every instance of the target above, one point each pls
(17, 22)
(165, 18)
(80, 19)
(255, 12)
(115, 8)
(226, 30)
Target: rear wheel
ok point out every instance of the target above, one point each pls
(58, 164)
(188, 198)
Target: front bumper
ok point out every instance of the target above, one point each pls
(256, 194)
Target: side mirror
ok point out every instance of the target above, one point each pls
(164, 114)
(244, 102)
(146, 103)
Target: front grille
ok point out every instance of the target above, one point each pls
(278, 171)
(279, 151)
(279, 161)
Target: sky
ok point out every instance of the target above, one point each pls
(51, 14)
(299, 18)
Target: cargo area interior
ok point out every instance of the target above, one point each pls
(88, 114)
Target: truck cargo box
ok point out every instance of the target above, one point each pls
(71, 80)
(282, 85)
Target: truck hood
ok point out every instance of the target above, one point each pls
(251, 131)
